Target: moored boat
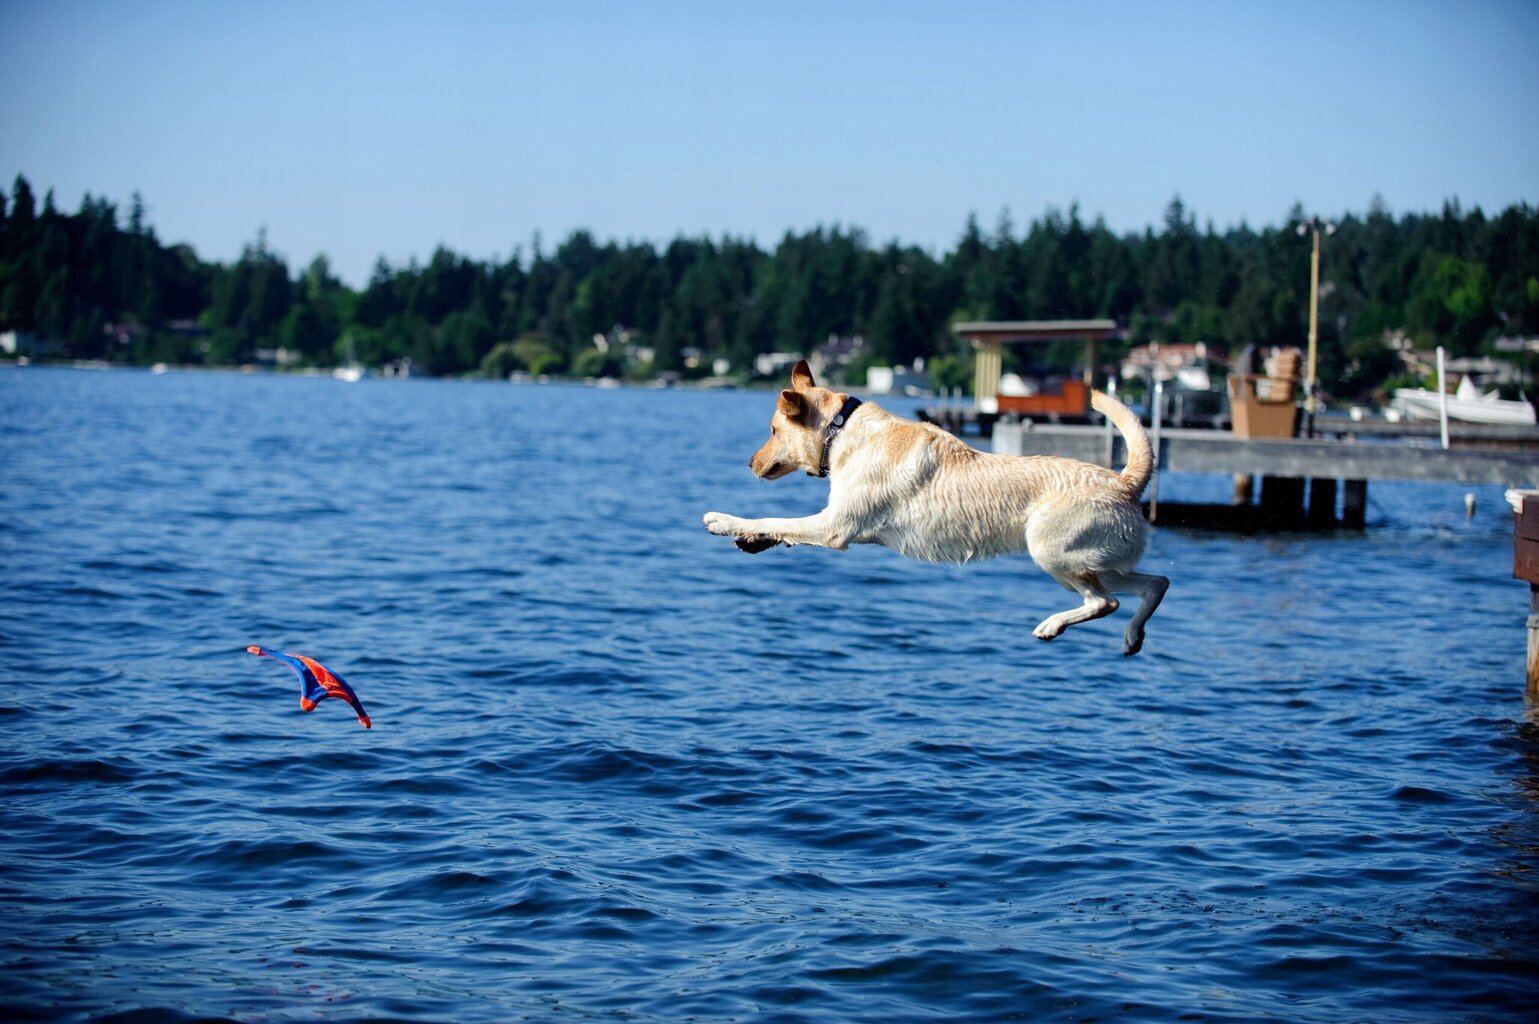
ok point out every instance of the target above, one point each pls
(1466, 404)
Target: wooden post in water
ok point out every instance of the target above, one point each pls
(1533, 641)
(1282, 501)
(1244, 484)
(1525, 566)
(1354, 504)
(1322, 503)
(1155, 419)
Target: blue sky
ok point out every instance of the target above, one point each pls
(378, 129)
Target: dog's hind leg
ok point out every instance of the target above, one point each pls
(1150, 590)
(1098, 604)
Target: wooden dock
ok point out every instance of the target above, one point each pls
(1298, 476)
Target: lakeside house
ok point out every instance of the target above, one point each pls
(1187, 363)
(898, 380)
(22, 343)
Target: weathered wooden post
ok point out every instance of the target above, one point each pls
(1282, 501)
(1525, 566)
(1533, 641)
(1354, 504)
(1322, 503)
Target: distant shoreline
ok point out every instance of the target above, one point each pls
(320, 373)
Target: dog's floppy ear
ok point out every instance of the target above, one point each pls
(792, 405)
(801, 376)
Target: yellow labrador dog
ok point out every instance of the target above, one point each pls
(916, 489)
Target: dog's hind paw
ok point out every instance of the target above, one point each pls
(754, 544)
(1132, 644)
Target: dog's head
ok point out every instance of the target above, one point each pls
(796, 429)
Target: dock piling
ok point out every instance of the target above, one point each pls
(1354, 504)
(1322, 502)
(1533, 642)
(1525, 566)
(1282, 499)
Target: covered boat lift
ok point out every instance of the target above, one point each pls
(988, 338)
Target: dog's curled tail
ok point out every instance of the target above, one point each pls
(1135, 475)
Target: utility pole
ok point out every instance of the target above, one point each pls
(1314, 224)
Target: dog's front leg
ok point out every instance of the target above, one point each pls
(820, 530)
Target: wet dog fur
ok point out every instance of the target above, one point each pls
(920, 491)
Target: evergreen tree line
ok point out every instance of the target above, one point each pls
(96, 285)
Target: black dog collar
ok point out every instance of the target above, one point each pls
(837, 424)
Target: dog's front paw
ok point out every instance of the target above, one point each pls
(722, 525)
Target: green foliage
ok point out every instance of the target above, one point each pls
(95, 287)
(1369, 363)
(853, 373)
(590, 362)
(460, 342)
(549, 362)
(528, 354)
(500, 362)
(948, 372)
(249, 304)
(1451, 299)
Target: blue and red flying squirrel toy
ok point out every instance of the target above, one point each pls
(316, 682)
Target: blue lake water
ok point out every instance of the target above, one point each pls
(621, 771)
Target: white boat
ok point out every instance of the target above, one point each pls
(349, 371)
(1466, 405)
